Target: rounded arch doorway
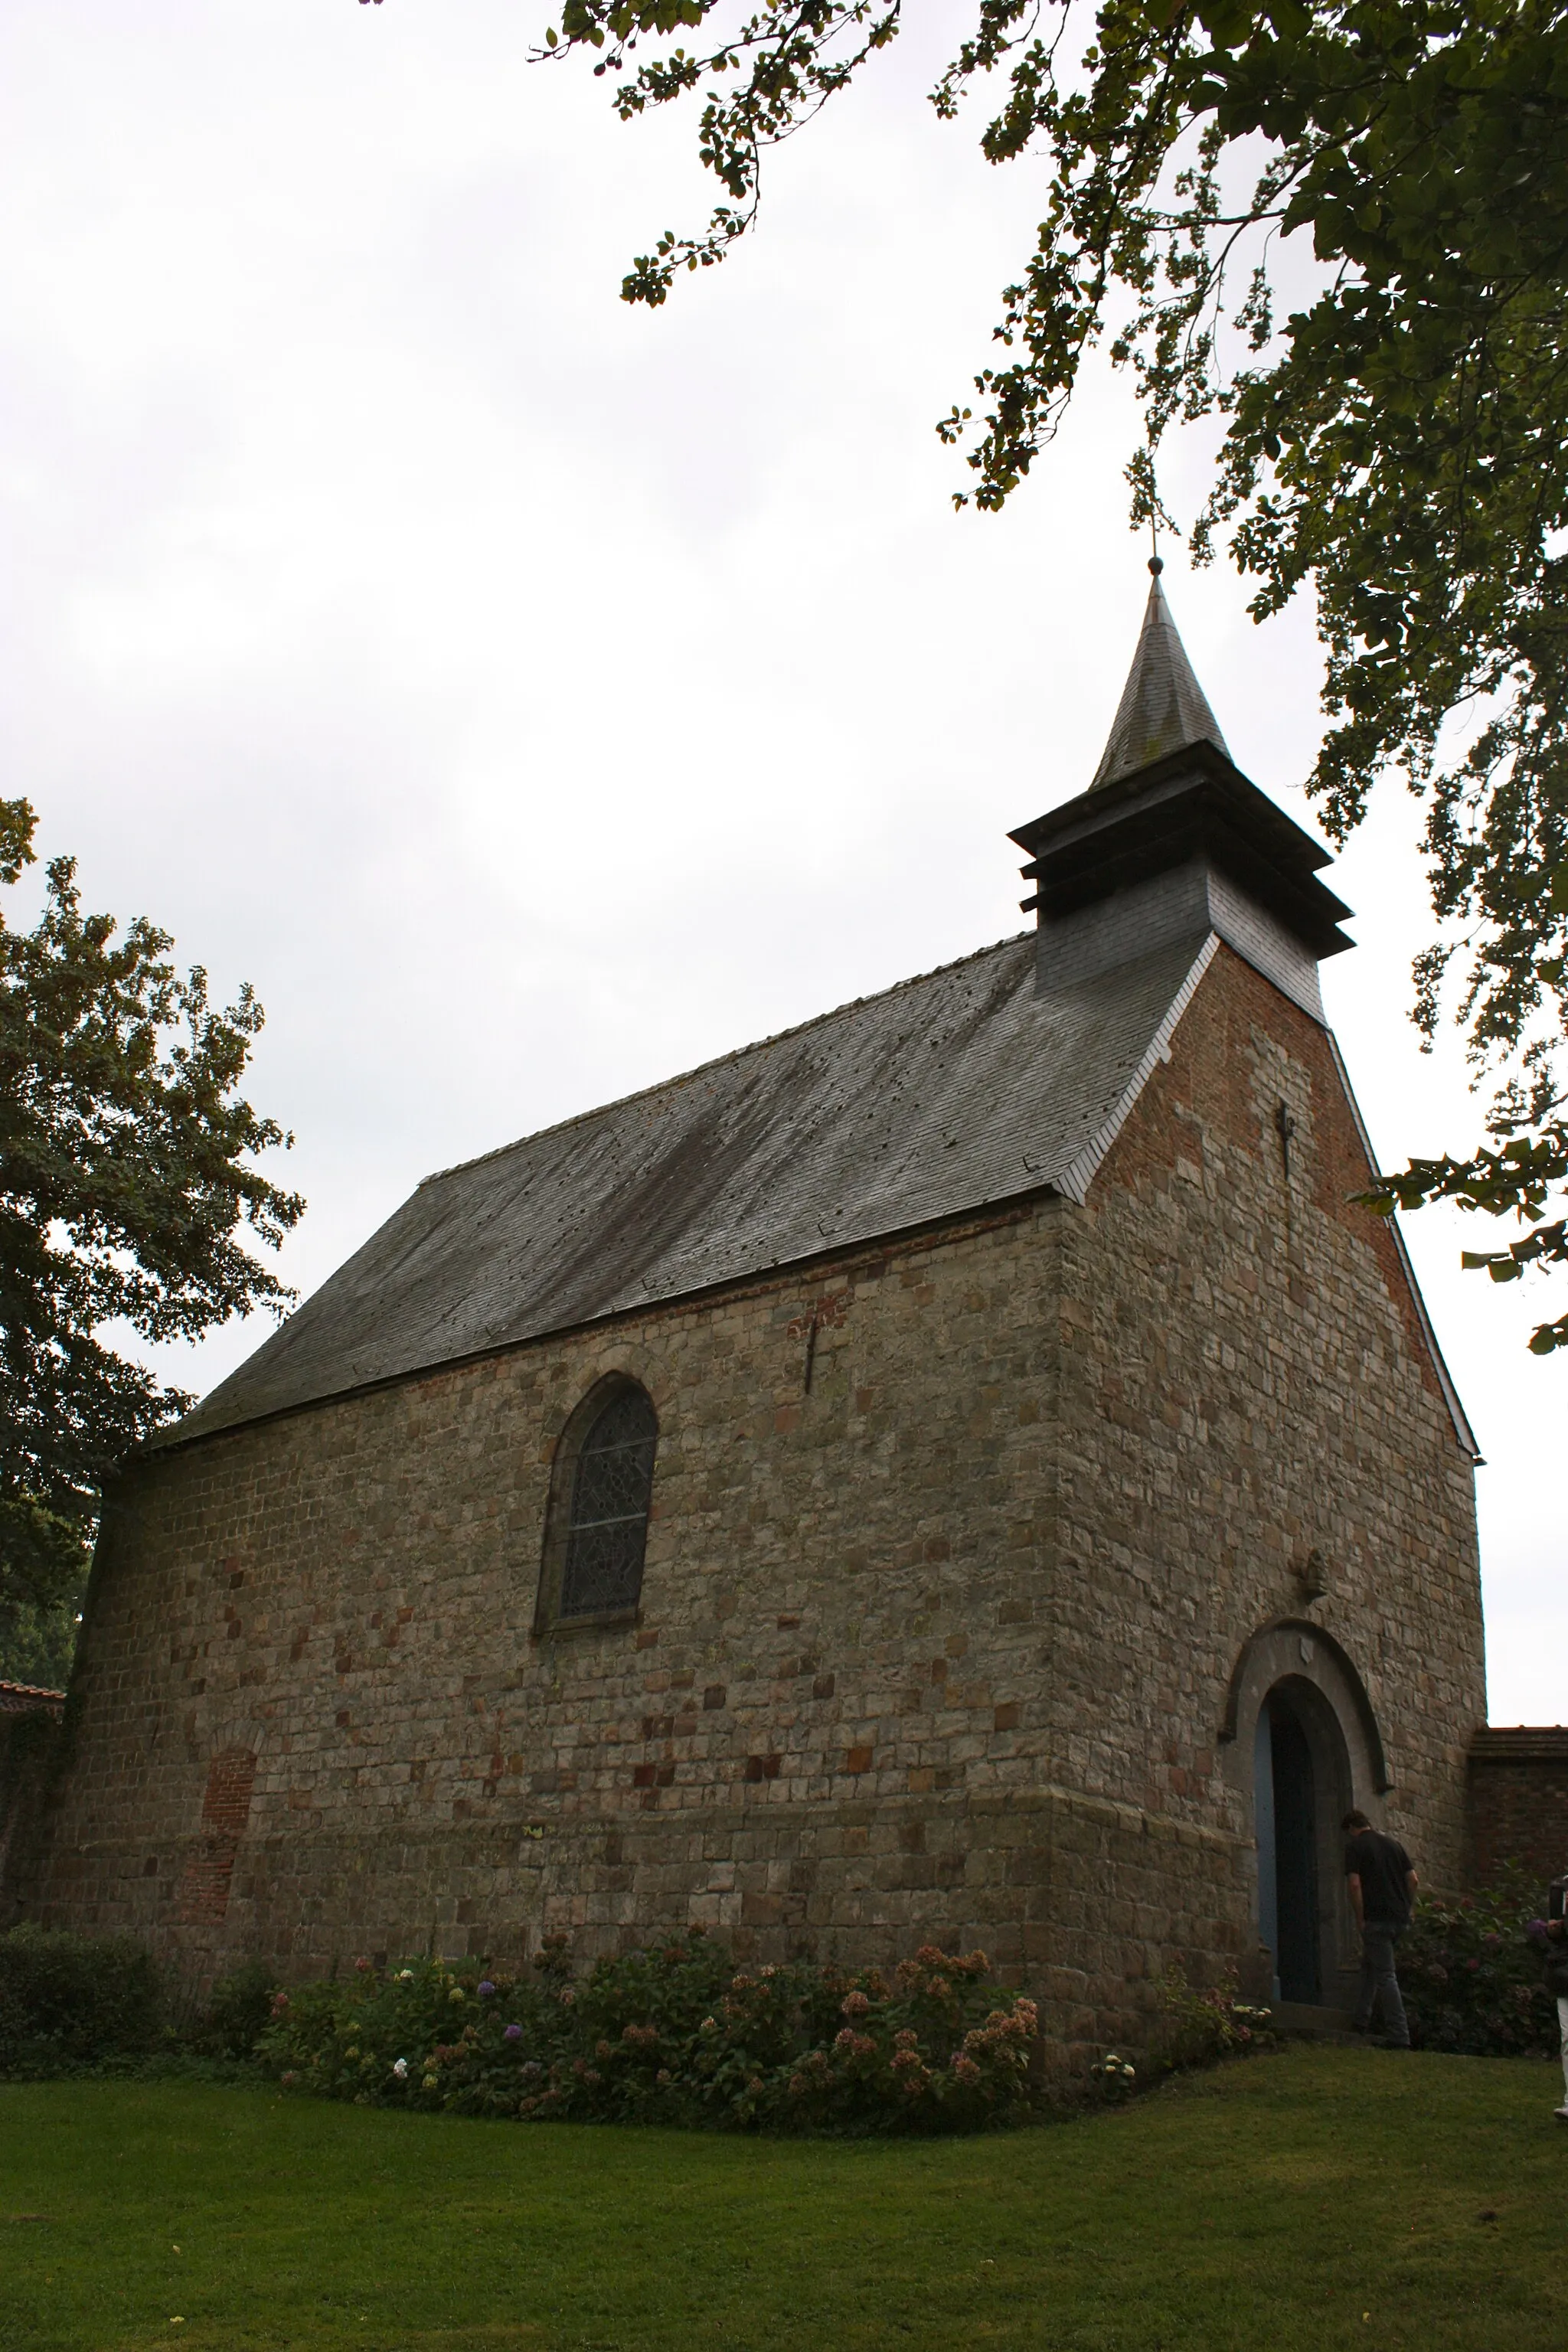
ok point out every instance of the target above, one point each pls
(1293, 1825)
(1304, 1742)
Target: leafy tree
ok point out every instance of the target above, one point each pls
(125, 1181)
(1395, 443)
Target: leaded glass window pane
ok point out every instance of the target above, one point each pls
(610, 1496)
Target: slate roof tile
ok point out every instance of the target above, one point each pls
(948, 1094)
(1162, 707)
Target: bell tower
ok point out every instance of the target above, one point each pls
(1171, 840)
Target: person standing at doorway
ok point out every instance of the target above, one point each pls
(1382, 1889)
(1551, 1935)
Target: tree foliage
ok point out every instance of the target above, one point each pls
(126, 1177)
(1394, 442)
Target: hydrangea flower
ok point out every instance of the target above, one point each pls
(400, 2068)
(485, 1988)
(512, 2033)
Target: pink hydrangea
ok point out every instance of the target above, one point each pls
(853, 2044)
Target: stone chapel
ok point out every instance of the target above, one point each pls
(964, 1470)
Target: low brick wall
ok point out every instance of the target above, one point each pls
(1519, 1801)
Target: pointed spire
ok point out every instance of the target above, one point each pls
(1162, 707)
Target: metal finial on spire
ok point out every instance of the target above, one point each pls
(1162, 707)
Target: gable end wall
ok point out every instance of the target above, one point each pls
(1249, 1408)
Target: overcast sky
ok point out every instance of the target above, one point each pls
(533, 697)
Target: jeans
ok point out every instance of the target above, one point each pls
(1562, 2028)
(1379, 1985)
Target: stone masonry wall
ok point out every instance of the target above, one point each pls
(1249, 1410)
(30, 1744)
(937, 1648)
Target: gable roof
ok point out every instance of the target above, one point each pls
(1162, 707)
(945, 1095)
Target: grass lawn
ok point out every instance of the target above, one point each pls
(1317, 2199)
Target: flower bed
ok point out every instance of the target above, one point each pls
(672, 2034)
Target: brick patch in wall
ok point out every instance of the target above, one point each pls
(202, 1898)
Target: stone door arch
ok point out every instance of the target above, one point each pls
(1301, 1746)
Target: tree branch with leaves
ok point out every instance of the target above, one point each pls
(128, 1186)
(1394, 444)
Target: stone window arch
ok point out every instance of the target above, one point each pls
(601, 1498)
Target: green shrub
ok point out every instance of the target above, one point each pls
(1470, 1980)
(237, 2013)
(1202, 2028)
(71, 2001)
(1115, 2078)
(672, 2034)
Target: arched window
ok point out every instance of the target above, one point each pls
(611, 1487)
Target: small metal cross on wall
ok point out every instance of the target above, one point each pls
(829, 1313)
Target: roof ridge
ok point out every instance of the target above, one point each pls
(717, 1061)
